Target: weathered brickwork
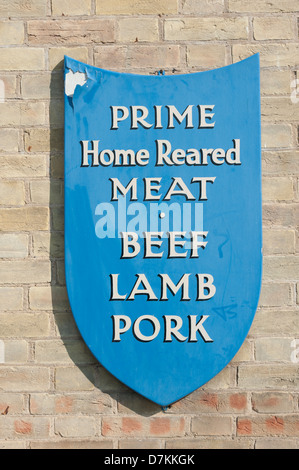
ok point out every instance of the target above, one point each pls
(53, 394)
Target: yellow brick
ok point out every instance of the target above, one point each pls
(16, 351)
(65, 325)
(263, 377)
(276, 135)
(24, 325)
(87, 403)
(245, 353)
(283, 268)
(63, 444)
(141, 426)
(25, 271)
(11, 298)
(143, 56)
(48, 298)
(280, 162)
(45, 193)
(48, 244)
(265, 322)
(153, 56)
(41, 140)
(277, 189)
(24, 218)
(22, 58)
(40, 192)
(273, 28)
(203, 6)
(9, 81)
(9, 140)
(272, 349)
(23, 166)
(272, 6)
(13, 444)
(20, 114)
(32, 113)
(22, 379)
(138, 29)
(20, 8)
(206, 56)
(57, 351)
(13, 245)
(10, 114)
(279, 109)
(275, 294)
(110, 57)
(278, 241)
(15, 427)
(211, 425)
(74, 379)
(12, 193)
(75, 426)
(11, 32)
(136, 7)
(41, 244)
(56, 55)
(73, 8)
(271, 55)
(205, 29)
(16, 403)
(275, 82)
(42, 86)
(58, 32)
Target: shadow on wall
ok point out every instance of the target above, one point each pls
(81, 371)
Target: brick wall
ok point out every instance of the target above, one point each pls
(52, 391)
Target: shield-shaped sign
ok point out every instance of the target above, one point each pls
(163, 238)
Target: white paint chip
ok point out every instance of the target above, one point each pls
(72, 80)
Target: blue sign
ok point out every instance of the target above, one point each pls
(163, 232)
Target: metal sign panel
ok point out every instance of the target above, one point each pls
(163, 232)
